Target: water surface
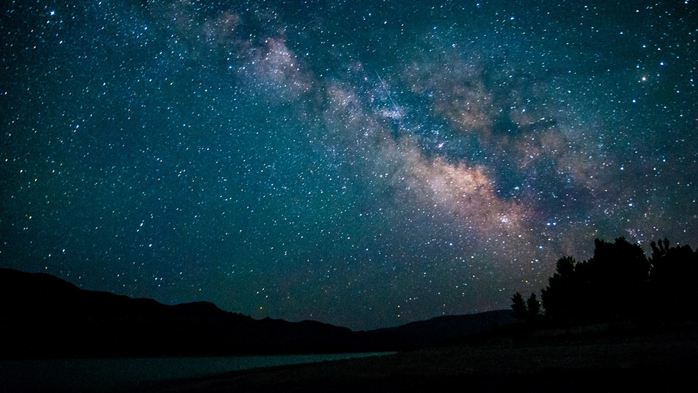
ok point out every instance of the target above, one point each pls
(113, 374)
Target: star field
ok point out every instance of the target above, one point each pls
(365, 163)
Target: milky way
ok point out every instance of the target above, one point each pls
(365, 164)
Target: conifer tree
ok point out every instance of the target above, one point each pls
(519, 307)
(533, 306)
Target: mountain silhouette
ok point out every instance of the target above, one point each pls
(436, 332)
(44, 316)
(41, 315)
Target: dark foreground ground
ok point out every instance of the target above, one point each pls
(550, 361)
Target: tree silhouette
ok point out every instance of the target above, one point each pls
(619, 283)
(618, 277)
(673, 281)
(560, 297)
(528, 311)
(612, 284)
(533, 306)
(519, 307)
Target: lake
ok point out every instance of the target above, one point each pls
(113, 374)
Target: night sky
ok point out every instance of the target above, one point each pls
(361, 163)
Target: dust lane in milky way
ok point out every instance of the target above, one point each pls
(359, 163)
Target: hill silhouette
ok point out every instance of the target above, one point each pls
(44, 316)
(437, 332)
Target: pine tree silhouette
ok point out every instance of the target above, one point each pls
(533, 306)
(519, 307)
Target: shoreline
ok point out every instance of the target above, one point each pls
(621, 362)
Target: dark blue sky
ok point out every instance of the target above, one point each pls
(362, 163)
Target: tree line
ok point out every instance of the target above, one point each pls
(618, 283)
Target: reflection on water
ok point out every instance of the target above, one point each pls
(30, 375)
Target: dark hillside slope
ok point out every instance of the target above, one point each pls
(42, 315)
(438, 331)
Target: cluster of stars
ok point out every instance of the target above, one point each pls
(359, 164)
